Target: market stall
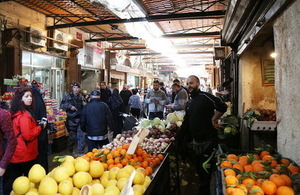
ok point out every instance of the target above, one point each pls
(135, 162)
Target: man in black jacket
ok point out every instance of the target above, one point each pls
(202, 113)
(95, 119)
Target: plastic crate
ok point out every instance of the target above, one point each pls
(264, 125)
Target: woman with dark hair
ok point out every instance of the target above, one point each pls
(26, 131)
(115, 108)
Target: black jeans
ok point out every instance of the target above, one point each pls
(135, 112)
(152, 115)
(14, 170)
(203, 151)
(96, 143)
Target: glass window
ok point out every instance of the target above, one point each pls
(26, 72)
(41, 60)
(59, 62)
(26, 58)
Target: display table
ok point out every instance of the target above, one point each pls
(160, 184)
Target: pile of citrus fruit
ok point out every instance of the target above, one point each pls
(258, 174)
(120, 158)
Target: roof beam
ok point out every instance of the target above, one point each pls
(112, 39)
(193, 35)
(169, 36)
(192, 52)
(126, 48)
(196, 15)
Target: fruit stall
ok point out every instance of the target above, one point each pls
(258, 172)
(135, 162)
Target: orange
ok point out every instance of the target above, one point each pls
(149, 170)
(117, 160)
(243, 162)
(139, 152)
(161, 157)
(225, 164)
(267, 157)
(238, 166)
(232, 157)
(284, 190)
(256, 156)
(258, 167)
(105, 165)
(145, 164)
(256, 190)
(231, 180)
(259, 181)
(277, 179)
(248, 182)
(263, 153)
(238, 191)
(287, 179)
(109, 156)
(248, 168)
(255, 162)
(244, 158)
(123, 152)
(285, 161)
(229, 190)
(229, 172)
(243, 187)
(124, 161)
(94, 150)
(119, 165)
(119, 149)
(110, 162)
(269, 187)
(293, 168)
(125, 146)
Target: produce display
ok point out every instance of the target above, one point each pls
(258, 174)
(108, 169)
(79, 176)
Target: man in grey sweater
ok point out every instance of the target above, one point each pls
(180, 99)
(156, 99)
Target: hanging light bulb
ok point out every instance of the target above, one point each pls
(273, 54)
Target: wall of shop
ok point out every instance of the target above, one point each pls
(253, 94)
(287, 65)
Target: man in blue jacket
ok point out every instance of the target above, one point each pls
(95, 119)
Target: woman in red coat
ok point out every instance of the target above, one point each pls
(26, 131)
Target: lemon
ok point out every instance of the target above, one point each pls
(97, 189)
(138, 178)
(48, 186)
(60, 174)
(36, 173)
(81, 165)
(75, 191)
(96, 169)
(121, 183)
(112, 182)
(123, 173)
(21, 185)
(81, 178)
(112, 190)
(65, 187)
(70, 166)
(113, 172)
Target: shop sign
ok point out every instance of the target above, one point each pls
(268, 72)
(98, 50)
(99, 44)
(78, 36)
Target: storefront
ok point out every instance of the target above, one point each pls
(46, 69)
